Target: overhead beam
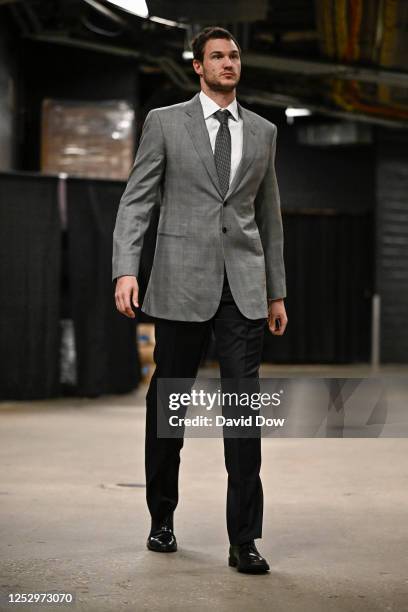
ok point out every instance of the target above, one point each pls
(178, 76)
(85, 44)
(325, 69)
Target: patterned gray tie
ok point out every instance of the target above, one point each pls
(222, 150)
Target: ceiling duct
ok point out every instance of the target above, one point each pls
(209, 12)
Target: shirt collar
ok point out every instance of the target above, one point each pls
(210, 107)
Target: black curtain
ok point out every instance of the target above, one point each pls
(47, 274)
(29, 287)
(107, 357)
(329, 265)
(51, 271)
(329, 258)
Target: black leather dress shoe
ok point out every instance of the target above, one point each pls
(247, 559)
(162, 539)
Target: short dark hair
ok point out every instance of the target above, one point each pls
(199, 41)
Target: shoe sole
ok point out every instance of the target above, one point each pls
(251, 570)
(160, 550)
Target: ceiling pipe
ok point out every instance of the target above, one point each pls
(325, 69)
(178, 76)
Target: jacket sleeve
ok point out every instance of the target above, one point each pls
(269, 220)
(138, 199)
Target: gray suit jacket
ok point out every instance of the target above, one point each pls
(198, 229)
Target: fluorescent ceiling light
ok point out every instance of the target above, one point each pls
(291, 112)
(188, 55)
(136, 7)
(297, 112)
(168, 22)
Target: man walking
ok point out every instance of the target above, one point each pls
(218, 265)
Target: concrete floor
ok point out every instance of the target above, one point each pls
(335, 519)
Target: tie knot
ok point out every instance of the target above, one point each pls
(222, 116)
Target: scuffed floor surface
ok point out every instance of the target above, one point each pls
(335, 518)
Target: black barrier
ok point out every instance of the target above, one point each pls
(56, 249)
(105, 339)
(329, 259)
(30, 255)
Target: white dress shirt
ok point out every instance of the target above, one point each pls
(234, 124)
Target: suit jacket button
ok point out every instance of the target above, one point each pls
(225, 203)
(224, 229)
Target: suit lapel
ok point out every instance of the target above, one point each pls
(197, 129)
(249, 145)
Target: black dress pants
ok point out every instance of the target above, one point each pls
(178, 352)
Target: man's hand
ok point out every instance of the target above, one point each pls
(276, 311)
(127, 293)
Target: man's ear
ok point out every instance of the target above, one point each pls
(197, 66)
